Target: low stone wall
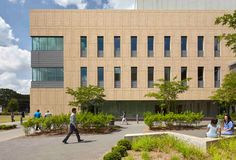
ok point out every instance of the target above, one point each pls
(202, 143)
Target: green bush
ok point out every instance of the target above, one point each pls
(171, 118)
(114, 155)
(7, 127)
(124, 142)
(121, 150)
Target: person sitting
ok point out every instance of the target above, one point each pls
(213, 130)
(228, 126)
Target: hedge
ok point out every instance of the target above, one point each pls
(7, 127)
(171, 119)
(86, 121)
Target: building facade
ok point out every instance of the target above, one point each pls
(126, 51)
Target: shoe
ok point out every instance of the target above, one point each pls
(80, 140)
(64, 142)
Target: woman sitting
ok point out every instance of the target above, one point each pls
(213, 130)
(228, 126)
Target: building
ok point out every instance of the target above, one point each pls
(126, 51)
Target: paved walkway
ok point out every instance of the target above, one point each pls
(51, 147)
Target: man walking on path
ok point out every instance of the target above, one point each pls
(72, 127)
(37, 115)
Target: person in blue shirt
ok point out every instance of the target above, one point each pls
(37, 114)
(228, 126)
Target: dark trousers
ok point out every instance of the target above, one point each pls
(72, 129)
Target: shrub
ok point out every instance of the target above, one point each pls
(114, 155)
(121, 150)
(124, 142)
(7, 127)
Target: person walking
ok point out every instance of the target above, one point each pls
(37, 114)
(124, 118)
(72, 127)
(22, 116)
(47, 114)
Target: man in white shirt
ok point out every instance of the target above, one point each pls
(72, 127)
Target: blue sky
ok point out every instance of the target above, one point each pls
(15, 42)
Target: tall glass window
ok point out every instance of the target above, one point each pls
(100, 46)
(184, 75)
(117, 46)
(150, 46)
(200, 42)
(217, 77)
(167, 73)
(83, 76)
(133, 46)
(150, 77)
(47, 43)
(134, 77)
(83, 46)
(47, 74)
(183, 46)
(117, 77)
(217, 46)
(200, 73)
(100, 77)
(167, 46)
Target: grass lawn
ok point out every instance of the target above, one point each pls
(7, 118)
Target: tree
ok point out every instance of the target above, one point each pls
(230, 21)
(168, 92)
(13, 105)
(226, 94)
(87, 97)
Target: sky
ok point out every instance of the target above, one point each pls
(15, 41)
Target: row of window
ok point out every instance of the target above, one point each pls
(47, 74)
(150, 76)
(150, 46)
(47, 43)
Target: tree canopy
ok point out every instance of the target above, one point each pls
(168, 91)
(226, 94)
(13, 105)
(85, 97)
(230, 21)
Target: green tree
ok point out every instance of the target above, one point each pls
(13, 105)
(226, 94)
(86, 97)
(168, 91)
(230, 21)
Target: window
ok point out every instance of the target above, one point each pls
(150, 46)
(133, 46)
(83, 46)
(184, 75)
(217, 77)
(100, 77)
(150, 77)
(117, 78)
(200, 77)
(217, 46)
(133, 77)
(117, 46)
(83, 76)
(47, 43)
(167, 73)
(100, 45)
(183, 46)
(47, 74)
(167, 46)
(200, 41)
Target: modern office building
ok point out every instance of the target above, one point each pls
(126, 51)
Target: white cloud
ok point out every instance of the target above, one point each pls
(121, 4)
(81, 4)
(16, 1)
(6, 35)
(15, 71)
